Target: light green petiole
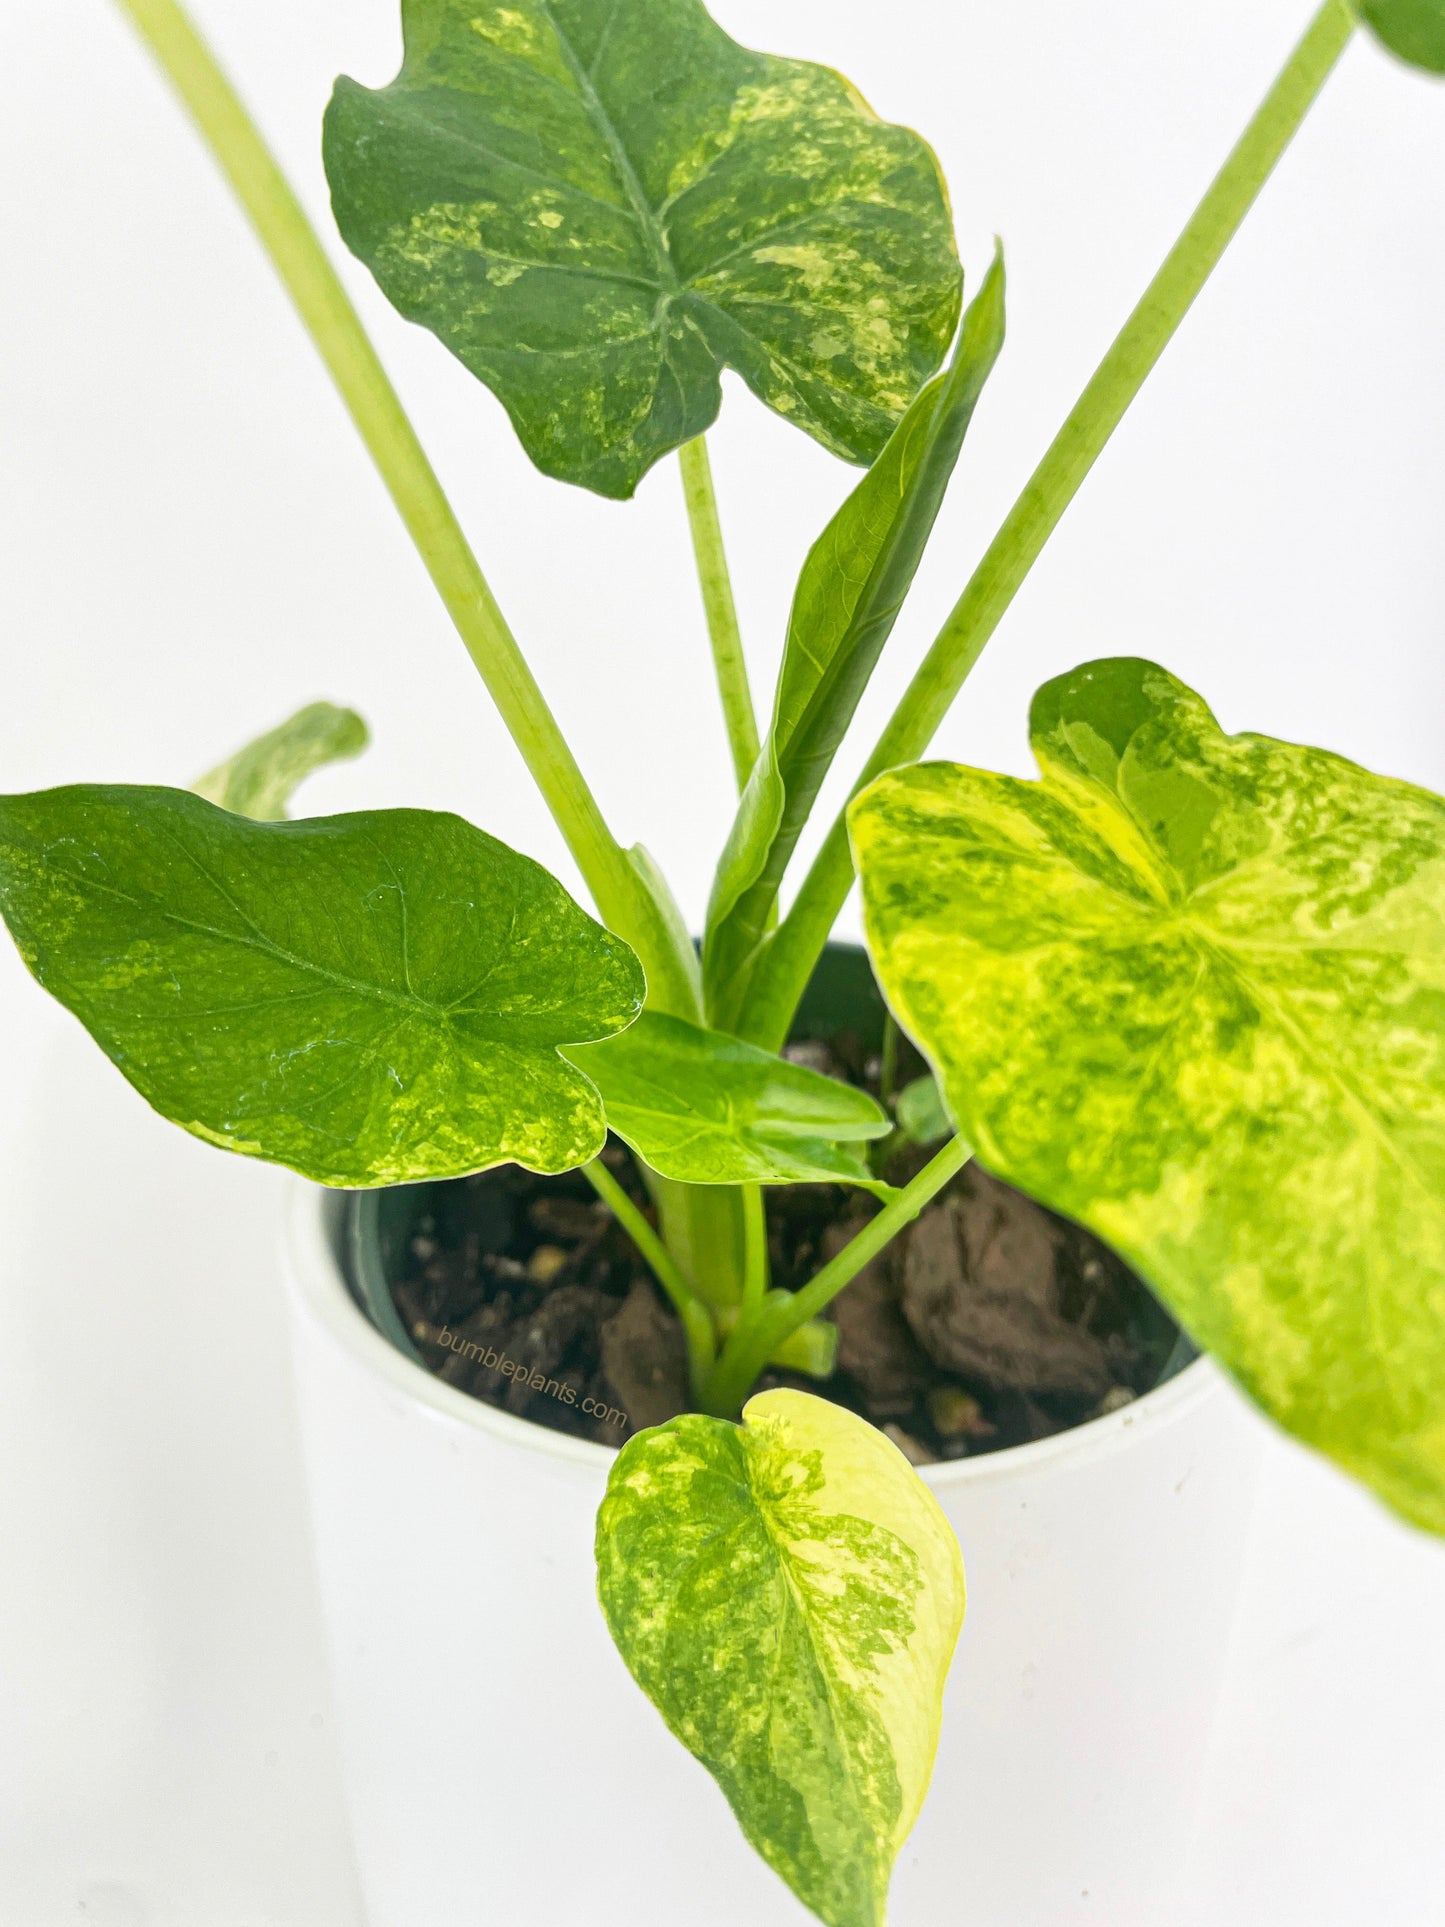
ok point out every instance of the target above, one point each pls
(722, 615)
(324, 306)
(812, 1349)
(791, 955)
(755, 1249)
(696, 1323)
(757, 1340)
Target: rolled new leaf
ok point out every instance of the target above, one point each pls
(849, 596)
(1413, 29)
(788, 1595)
(260, 780)
(1189, 989)
(369, 999)
(597, 205)
(704, 1108)
(921, 1115)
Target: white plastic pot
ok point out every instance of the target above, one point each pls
(502, 1767)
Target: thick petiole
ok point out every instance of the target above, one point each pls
(722, 615)
(755, 1249)
(757, 1339)
(696, 1322)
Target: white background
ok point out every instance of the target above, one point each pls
(192, 544)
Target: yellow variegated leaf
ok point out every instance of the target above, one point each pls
(788, 1594)
(1189, 989)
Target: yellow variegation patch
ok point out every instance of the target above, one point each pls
(789, 1595)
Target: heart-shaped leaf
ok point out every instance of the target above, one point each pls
(849, 596)
(259, 780)
(706, 1109)
(788, 1595)
(370, 999)
(1189, 989)
(600, 204)
(1413, 29)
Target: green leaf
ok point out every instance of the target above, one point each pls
(706, 1109)
(599, 204)
(1189, 989)
(258, 781)
(788, 1595)
(1413, 29)
(921, 1116)
(370, 999)
(848, 598)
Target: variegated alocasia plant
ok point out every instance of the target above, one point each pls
(1187, 988)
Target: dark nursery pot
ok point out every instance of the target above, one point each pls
(501, 1763)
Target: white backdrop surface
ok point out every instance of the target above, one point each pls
(192, 544)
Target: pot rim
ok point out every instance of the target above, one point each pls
(321, 1288)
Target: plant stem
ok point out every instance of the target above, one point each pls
(722, 615)
(755, 1249)
(789, 959)
(324, 306)
(696, 1324)
(888, 1066)
(813, 1348)
(757, 1339)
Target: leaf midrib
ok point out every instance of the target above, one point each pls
(815, 1645)
(413, 1005)
(643, 210)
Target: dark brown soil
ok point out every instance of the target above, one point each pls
(988, 1323)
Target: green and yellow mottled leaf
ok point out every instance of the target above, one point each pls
(1189, 989)
(1413, 29)
(848, 598)
(788, 1595)
(704, 1108)
(370, 999)
(599, 204)
(259, 780)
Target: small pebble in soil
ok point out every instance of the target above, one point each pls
(1115, 1400)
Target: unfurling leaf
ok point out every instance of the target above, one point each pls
(1189, 989)
(259, 780)
(599, 204)
(848, 598)
(370, 999)
(1413, 29)
(921, 1115)
(788, 1595)
(706, 1109)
